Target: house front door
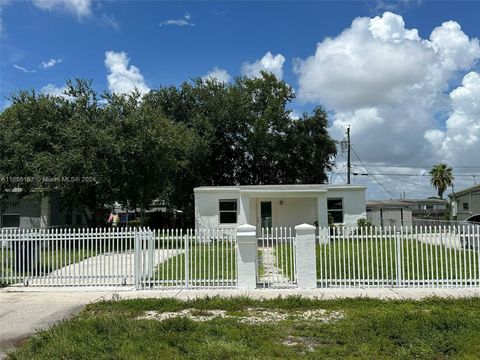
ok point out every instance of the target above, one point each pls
(265, 210)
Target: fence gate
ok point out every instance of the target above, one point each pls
(276, 266)
(186, 259)
(67, 257)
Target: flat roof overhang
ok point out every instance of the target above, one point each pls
(280, 189)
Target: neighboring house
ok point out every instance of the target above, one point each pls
(466, 204)
(16, 212)
(389, 212)
(402, 212)
(278, 205)
(432, 208)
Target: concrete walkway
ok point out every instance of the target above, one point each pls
(104, 269)
(23, 311)
(271, 273)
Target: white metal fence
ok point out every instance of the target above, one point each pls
(67, 257)
(424, 256)
(276, 258)
(399, 257)
(187, 259)
(118, 256)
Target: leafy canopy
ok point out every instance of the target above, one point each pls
(134, 150)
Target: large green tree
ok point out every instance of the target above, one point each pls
(90, 153)
(247, 133)
(134, 149)
(441, 178)
(57, 144)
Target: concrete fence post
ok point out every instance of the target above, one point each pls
(306, 256)
(247, 256)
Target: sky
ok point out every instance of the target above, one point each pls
(404, 75)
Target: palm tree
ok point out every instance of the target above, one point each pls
(441, 178)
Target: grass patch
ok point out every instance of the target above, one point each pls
(370, 329)
(208, 264)
(380, 260)
(377, 261)
(260, 266)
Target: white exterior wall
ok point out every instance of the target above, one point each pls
(374, 217)
(390, 217)
(295, 211)
(354, 205)
(297, 207)
(207, 209)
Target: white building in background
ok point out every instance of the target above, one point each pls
(278, 205)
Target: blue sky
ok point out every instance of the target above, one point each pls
(172, 42)
(225, 34)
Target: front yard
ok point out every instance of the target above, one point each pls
(242, 328)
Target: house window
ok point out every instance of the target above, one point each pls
(465, 206)
(79, 219)
(68, 218)
(11, 214)
(335, 210)
(228, 211)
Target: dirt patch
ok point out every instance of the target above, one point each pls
(250, 316)
(303, 342)
(9, 345)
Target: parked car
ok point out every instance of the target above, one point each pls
(470, 234)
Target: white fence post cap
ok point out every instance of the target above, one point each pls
(246, 228)
(305, 227)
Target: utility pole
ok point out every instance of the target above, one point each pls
(349, 166)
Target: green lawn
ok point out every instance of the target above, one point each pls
(379, 261)
(208, 264)
(367, 329)
(375, 262)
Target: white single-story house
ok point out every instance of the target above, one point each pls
(278, 205)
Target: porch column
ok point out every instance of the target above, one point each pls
(306, 256)
(247, 256)
(322, 211)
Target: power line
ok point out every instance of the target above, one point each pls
(377, 181)
(421, 175)
(410, 182)
(417, 166)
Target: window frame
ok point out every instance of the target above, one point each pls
(336, 210)
(220, 211)
(9, 212)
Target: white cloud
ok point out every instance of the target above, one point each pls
(50, 63)
(459, 143)
(220, 75)
(185, 21)
(294, 115)
(53, 90)
(390, 85)
(269, 63)
(455, 49)
(123, 79)
(391, 27)
(21, 68)
(79, 8)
